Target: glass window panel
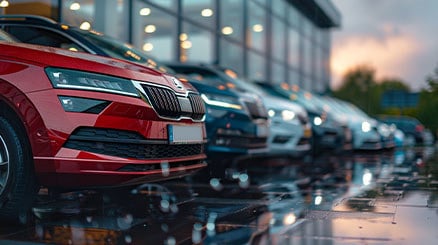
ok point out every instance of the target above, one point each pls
(257, 27)
(307, 56)
(78, 12)
(154, 31)
(294, 47)
(168, 4)
(278, 39)
(326, 39)
(279, 8)
(306, 26)
(294, 77)
(326, 66)
(277, 73)
(232, 18)
(317, 62)
(109, 17)
(201, 11)
(263, 2)
(257, 67)
(293, 15)
(307, 83)
(231, 56)
(46, 8)
(196, 44)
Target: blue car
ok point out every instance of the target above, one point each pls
(235, 126)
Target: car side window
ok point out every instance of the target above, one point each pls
(44, 37)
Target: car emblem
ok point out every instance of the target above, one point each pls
(177, 83)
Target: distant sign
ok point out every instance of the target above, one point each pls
(399, 99)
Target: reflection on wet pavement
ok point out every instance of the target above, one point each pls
(363, 198)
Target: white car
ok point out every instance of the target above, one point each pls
(290, 130)
(365, 129)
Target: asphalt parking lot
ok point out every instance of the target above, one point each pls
(362, 198)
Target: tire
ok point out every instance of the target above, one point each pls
(17, 175)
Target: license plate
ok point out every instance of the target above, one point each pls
(184, 134)
(262, 130)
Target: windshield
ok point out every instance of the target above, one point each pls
(6, 37)
(120, 50)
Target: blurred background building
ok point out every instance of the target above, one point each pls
(265, 40)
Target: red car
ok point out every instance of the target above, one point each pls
(70, 119)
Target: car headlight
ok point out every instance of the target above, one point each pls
(222, 101)
(287, 115)
(384, 130)
(72, 79)
(317, 121)
(271, 113)
(366, 127)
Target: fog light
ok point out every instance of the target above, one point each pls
(76, 104)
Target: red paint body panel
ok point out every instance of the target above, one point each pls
(26, 89)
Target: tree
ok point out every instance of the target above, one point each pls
(427, 111)
(393, 84)
(432, 81)
(359, 87)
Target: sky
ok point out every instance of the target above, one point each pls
(398, 38)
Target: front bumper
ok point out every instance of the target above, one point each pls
(122, 144)
(289, 139)
(235, 132)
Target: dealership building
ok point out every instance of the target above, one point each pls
(273, 41)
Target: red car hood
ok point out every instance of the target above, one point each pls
(56, 57)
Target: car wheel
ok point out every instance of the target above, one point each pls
(17, 176)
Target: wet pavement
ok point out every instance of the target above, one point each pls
(361, 198)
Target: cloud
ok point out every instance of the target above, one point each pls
(390, 56)
(396, 37)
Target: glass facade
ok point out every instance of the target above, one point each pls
(154, 30)
(271, 41)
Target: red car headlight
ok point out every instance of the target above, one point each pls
(72, 79)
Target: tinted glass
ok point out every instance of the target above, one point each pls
(39, 36)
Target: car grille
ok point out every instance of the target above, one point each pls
(256, 110)
(127, 144)
(167, 104)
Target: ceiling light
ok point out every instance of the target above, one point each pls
(186, 44)
(145, 11)
(257, 28)
(207, 12)
(75, 6)
(150, 29)
(148, 47)
(227, 30)
(183, 36)
(4, 4)
(85, 26)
